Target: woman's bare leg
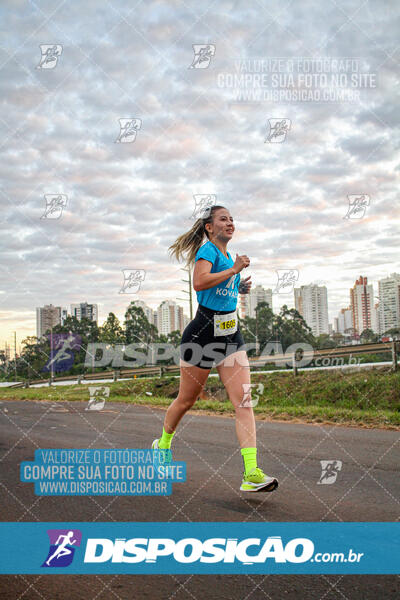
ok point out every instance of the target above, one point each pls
(191, 383)
(234, 372)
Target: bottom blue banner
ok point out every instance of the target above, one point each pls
(199, 547)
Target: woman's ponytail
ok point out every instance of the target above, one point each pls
(190, 242)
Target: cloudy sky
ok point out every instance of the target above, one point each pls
(127, 202)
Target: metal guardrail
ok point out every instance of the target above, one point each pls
(278, 359)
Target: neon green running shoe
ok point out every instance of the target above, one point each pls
(161, 456)
(257, 481)
(154, 445)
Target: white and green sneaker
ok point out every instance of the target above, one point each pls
(162, 456)
(257, 481)
(154, 445)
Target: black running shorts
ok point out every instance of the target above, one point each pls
(200, 347)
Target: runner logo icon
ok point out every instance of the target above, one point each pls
(62, 547)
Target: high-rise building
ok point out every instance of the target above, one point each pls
(311, 301)
(242, 306)
(64, 315)
(389, 302)
(47, 316)
(170, 317)
(84, 310)
(344, 320)
(249, 302)
(361, 302)
(375, 321)
(298, 300)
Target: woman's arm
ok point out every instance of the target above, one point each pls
(203, 279)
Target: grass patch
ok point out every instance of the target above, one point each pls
(366, 398)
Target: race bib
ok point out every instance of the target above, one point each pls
(225, 324)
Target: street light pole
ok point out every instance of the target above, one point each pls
(189, 281)
(51, 354)
(257, 344)
(15, 355)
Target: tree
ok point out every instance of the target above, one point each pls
(368, 336)
(137, 327)
(324, 341)
(34, 355)
(87, 329)
(111, 331)
(394, 333)
(174, 338)
(290, 328)
(259, 327)
(286, 328)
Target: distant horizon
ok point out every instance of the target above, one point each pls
(102, 319)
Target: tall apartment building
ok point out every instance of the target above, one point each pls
(361, 302)
(242, 306)
(344, 320)
(64, 315)
(249, 302)
(389, 302)
(170, 317)
(375, 320)
(84, 310)
(311, 301)
(298, 300)
(47, 316)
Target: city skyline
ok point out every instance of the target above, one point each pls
(102, 318)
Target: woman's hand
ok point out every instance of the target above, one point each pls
(241, 263)
(245, 285)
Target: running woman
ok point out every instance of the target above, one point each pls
(214, 335)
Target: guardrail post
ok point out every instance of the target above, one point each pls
(115, 376)
(294, 362)
(394, 355)
(79, 379)
(26, 384)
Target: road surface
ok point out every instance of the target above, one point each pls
(366, 489)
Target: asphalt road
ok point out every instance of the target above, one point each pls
(367, 488)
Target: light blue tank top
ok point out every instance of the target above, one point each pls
(224, 295)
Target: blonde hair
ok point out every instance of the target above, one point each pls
(190, 242)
